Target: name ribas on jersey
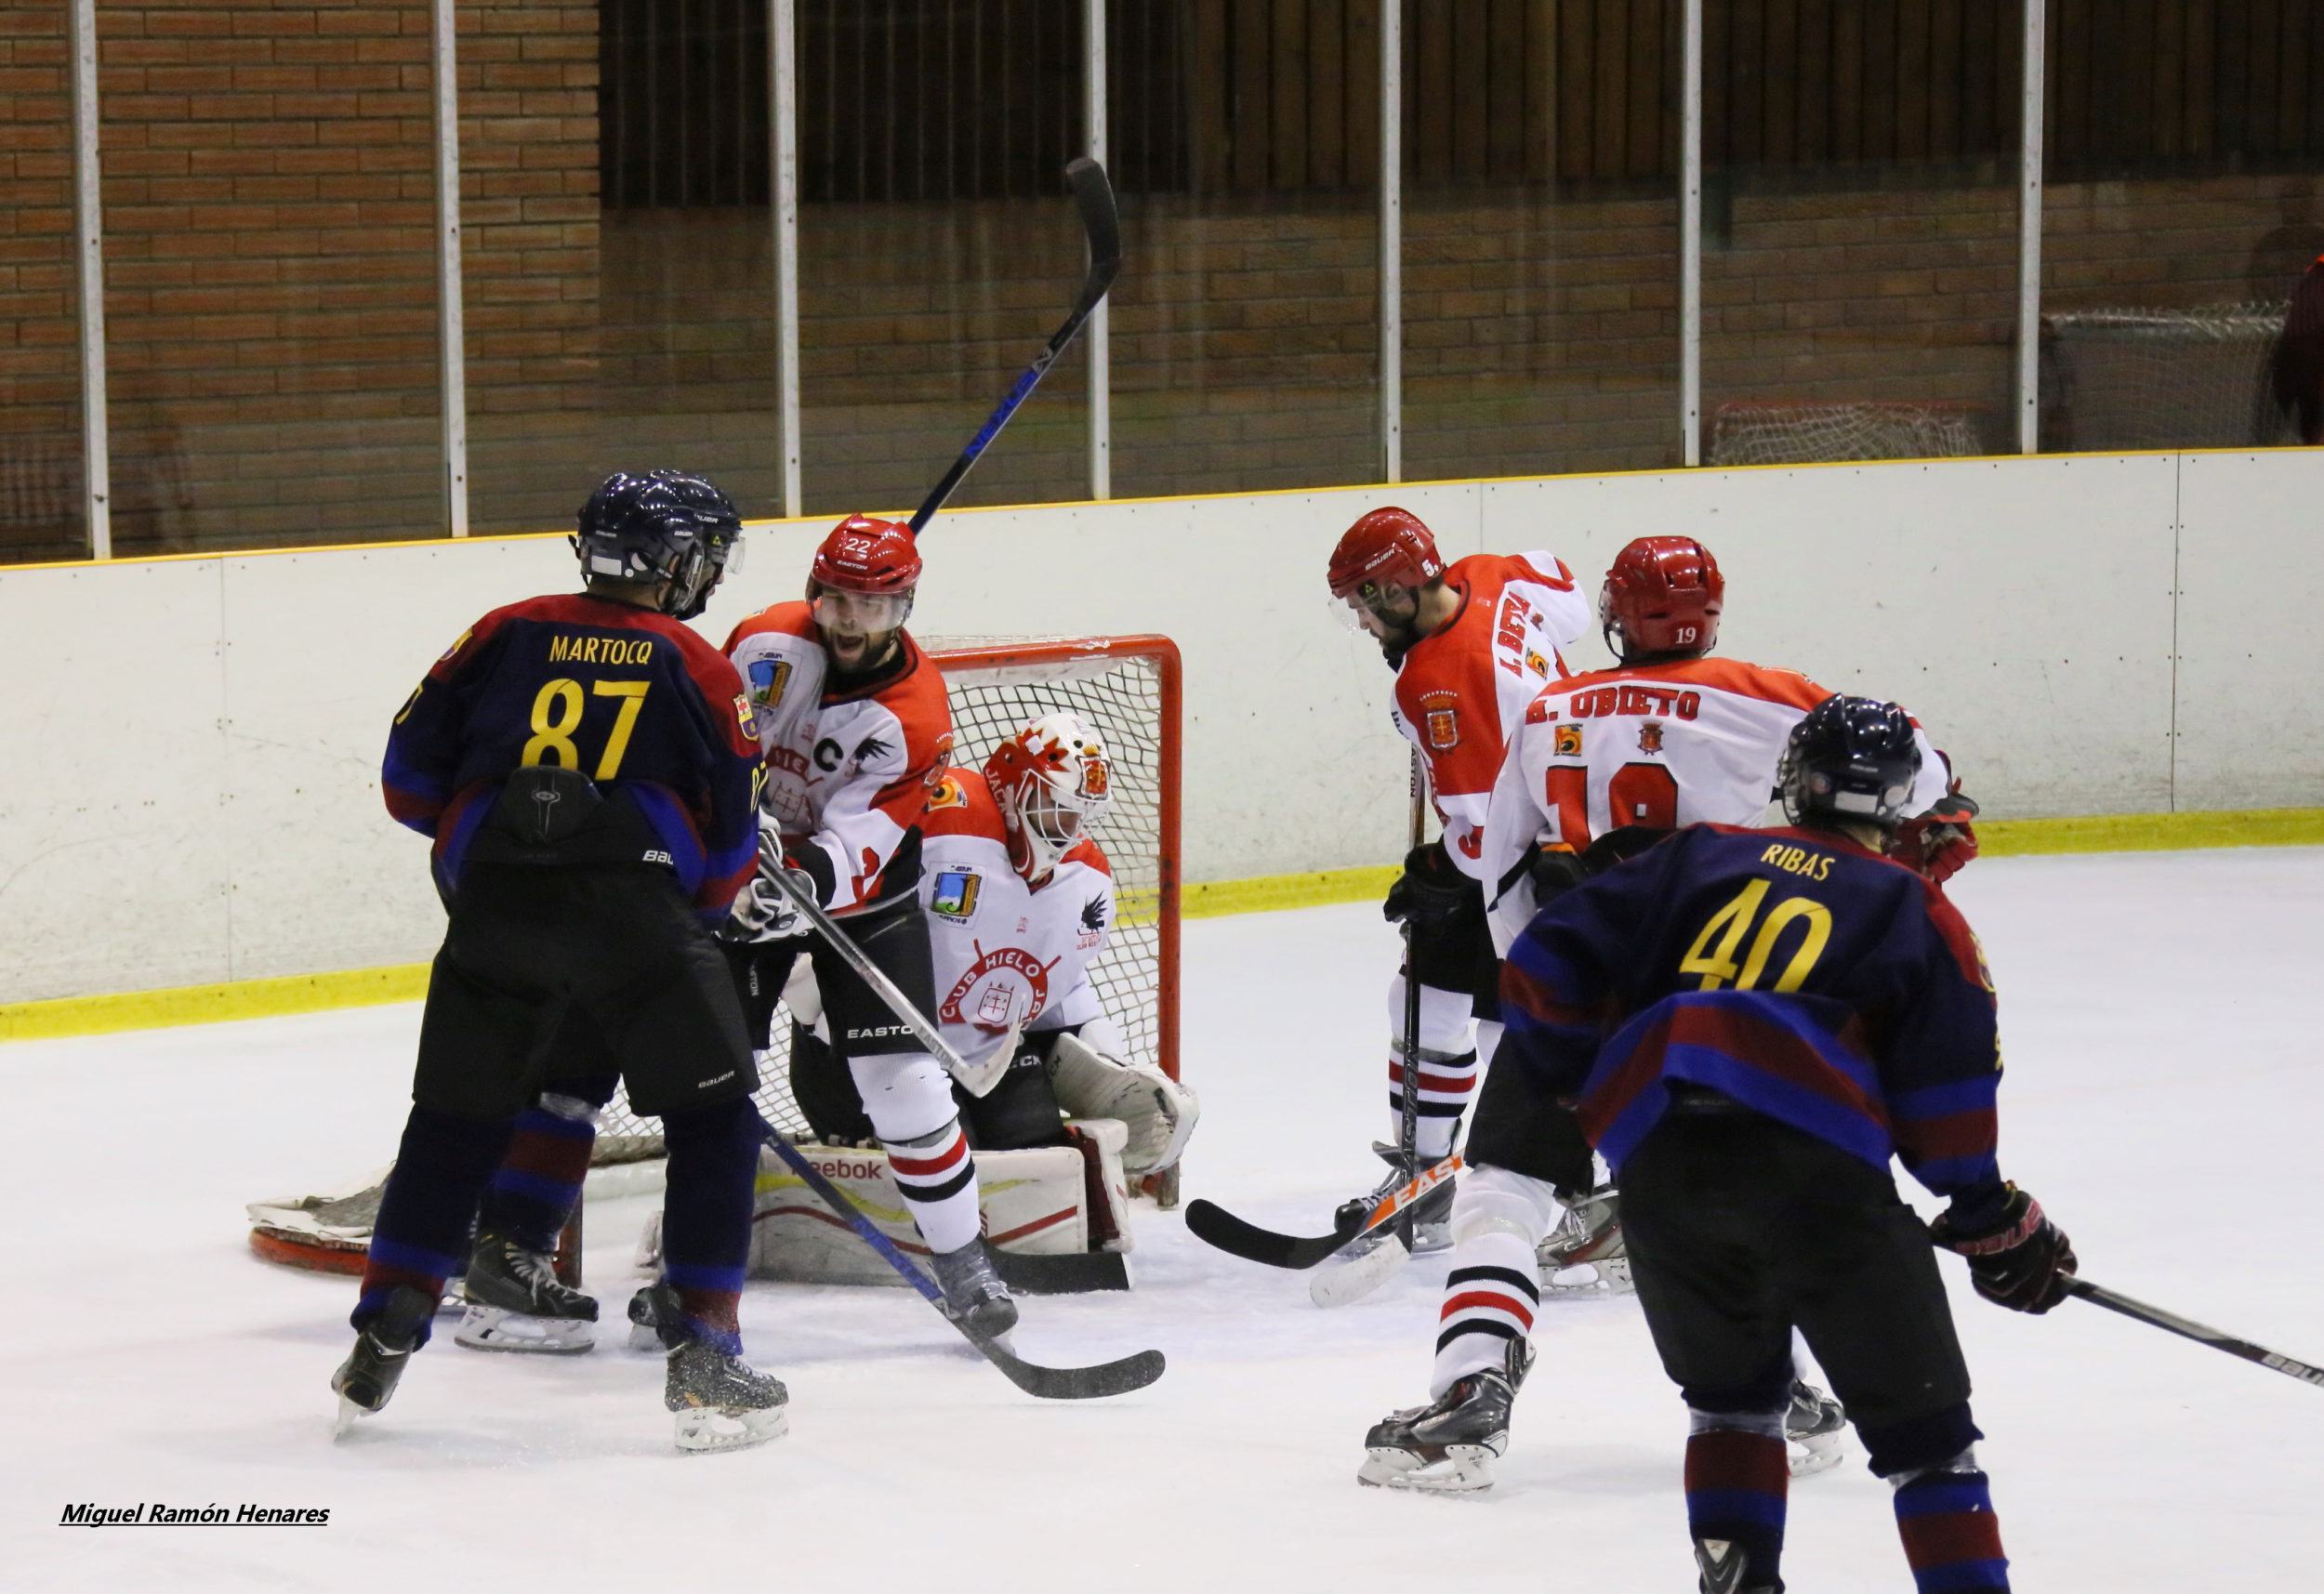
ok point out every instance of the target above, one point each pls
(564, 648)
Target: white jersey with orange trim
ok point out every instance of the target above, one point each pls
(848, 770)
(1005, 952)
(1461, 691)
(1680, 742)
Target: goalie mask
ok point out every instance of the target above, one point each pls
(1053, 781)
(663, 526)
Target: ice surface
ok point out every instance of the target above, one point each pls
(2158, 1017)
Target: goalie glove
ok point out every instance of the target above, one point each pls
(1938, 842)
(1158, 1112)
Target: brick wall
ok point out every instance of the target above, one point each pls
(40, 423)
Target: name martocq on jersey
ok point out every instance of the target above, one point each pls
(157, 1513)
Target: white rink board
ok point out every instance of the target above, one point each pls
(192, 792)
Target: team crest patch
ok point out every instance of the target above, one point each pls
(1650, 736)
(956, 894)
(1093, 778)
(1537, 664)
(768, 679)
(1569, 742)
(947, 795)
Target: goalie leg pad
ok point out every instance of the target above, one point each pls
(1159, 1113)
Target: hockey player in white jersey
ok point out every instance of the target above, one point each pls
(1471, 643)
(1603, 764)
(1019, 902)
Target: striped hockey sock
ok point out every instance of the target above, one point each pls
(937, 1174)
(420, 1237)
(1736, 1481)
(1489, 1300)
(533, 1190)
(1446, 1082)
(1952, 1540)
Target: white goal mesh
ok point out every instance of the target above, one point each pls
(1816, 431)
(1128, 689)
(2161, 378)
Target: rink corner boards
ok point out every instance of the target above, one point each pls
(406, 983)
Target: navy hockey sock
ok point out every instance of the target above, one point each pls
(539, 1177)
(421, 1236)
(706, 1216)
(1737, 1483)
(1952, 1540)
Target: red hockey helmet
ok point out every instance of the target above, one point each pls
(1662, 595)
(1387, 548)
(864, 554)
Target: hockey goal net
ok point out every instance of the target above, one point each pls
(1821, 431)
(1128, 688)
(2162, 378)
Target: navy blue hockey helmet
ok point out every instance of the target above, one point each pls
(666, 526)
(1851, 759)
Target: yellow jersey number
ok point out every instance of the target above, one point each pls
(557, 711)
(1713, 954)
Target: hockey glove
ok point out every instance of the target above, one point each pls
(1938, 842)
(2017, 1258)
(1555, 870)
(762, 911)
(1431, 891)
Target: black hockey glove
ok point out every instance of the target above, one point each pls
(2017, 1258)
(1431, 891)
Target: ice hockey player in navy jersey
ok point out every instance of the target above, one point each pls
(1750, 1023)
(585, 766)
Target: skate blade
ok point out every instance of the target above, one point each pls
(1807, 1457)
(349, 1415)
(495, 1328)
(1463, 1469)
(701, 1430)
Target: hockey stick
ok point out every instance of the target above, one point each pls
(2276, 1360)
(1409, 1068)
(1117, 1377)
(1214, 1225)
(1101, 223)
(977, 1080)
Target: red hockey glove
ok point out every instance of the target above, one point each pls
(1431, 891)
(1938, 842)
(2017, 1258)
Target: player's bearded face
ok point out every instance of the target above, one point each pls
(1387, 613)
(858, 627)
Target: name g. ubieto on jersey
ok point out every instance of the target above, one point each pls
(161, 1514)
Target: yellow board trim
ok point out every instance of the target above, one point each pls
(1267, 894)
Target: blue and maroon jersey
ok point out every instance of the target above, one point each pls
(635, 700)
(1793, 971)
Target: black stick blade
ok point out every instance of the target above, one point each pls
(1101, 222)
(1214, 1225)
(1069, 1275)
(1119, 1378)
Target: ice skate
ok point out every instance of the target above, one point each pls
(720, 1402)
(652, 1307)
(517, 1302)
(1725, 1568)
(1812, 1430)
(973, 1292)
(1584, 1255)
(1431, 1214)
(1449, 1445)
(383, 1348)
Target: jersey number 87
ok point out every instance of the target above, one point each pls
(557, 713)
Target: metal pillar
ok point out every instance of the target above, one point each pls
(1392, 239)
(2029, 234)
(1097, 335)
(782, 123)
(1691, 241)
(89, 223)
(450, 322)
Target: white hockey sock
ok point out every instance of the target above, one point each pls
(908, 1097)
(1489, 1300)
(1448, 1073)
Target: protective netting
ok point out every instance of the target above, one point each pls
(1806, 432)
(2154, 378)
(1123, 688)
